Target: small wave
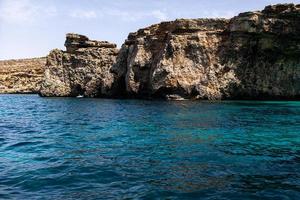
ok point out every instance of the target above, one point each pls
(21, 144)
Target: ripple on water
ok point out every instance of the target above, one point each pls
(62, 148)
(22, 144)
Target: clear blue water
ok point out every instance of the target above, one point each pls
(64, 148)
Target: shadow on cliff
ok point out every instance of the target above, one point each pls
(266, 65)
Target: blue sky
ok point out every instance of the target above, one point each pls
(31, 28)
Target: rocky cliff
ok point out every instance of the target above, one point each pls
(255, 55)
(177, 59)
(83, 69)
(264, 49)
(21, 76)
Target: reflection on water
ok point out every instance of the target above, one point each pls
(64, 148)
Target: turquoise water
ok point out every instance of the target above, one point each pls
(64, 148)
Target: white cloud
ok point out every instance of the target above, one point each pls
(50, 11)
(32, 11)
(219, 14)
(23, 11)
(123, 15)
(133, 15)
(17, 11)
(83, 14)
(158, 14)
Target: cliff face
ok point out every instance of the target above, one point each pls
(264, 49)
(21, 76)
(81, 70)
(255, 55)
(177, 59)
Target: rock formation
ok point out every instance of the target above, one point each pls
(84, 69)
(174, 59)
(21, 76)
(264, 49)
(255, 55)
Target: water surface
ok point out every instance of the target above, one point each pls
(64, 148)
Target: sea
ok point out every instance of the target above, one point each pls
(80, 148)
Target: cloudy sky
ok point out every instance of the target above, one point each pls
(30, 28)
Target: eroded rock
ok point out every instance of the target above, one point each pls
(255, 55)
(264, 48)
(84, 69)
(178, 58)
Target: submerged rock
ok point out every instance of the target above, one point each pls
(84, 69)
(255, 55)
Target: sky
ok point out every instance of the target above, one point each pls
(31, 28)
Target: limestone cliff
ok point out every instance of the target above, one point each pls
(255, 55)
(264, 49)
(174, 59)
(81, 70)
(21, 76)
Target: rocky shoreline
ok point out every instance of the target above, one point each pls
(255, 55)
